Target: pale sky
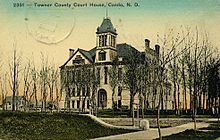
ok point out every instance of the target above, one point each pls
(53, 30)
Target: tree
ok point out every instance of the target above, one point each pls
(94, 83)
(14, 73)
(43, 75)
(27, 84)
(52, 84)
(86, 72)
(34, 79)
(131, 76)
(3, 89)
(164, 59)
(113, 81)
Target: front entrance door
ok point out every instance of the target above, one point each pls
(102, 98)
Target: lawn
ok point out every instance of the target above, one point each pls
(17, 125)
(210, 133)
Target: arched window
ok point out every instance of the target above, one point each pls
(102, 56)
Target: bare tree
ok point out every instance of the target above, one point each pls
(86, 72)
(43, 75)
(4, 90)
(94, 83)
(27, 84)
(14, 70)
(164, 60)
(52, 84)
(34, 79)
(113, 81)
(131, 77)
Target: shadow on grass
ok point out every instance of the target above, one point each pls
(210, 133)
(194, 135)
(17, 125)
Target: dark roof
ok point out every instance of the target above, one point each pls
(17, 98)
(86, 54)
(126, 51)
(92, 51)
(123, 50)
(106, 26)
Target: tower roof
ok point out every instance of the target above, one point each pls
(106, 26)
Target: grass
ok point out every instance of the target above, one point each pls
(17, 125)
(194, 135)
(212, 132)
(149, 114)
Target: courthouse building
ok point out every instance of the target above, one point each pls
(101, 58)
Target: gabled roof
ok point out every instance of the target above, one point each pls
(106, 26)
(85, 53)
(123, 50)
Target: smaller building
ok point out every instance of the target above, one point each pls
(19, 103)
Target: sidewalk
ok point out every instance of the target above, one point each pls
(153, 133)
(100, 121)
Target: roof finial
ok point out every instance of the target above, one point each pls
(106, 12)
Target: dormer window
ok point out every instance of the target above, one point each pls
(78, 60)
(102, 56)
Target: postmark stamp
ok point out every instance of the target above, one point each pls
(49, 26)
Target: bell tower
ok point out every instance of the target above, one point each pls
(106, 41)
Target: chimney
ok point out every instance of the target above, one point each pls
(157, 49)
(147, 43)
(71, 52)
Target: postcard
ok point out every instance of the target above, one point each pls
(114, 61)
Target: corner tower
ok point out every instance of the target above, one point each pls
(106, 41)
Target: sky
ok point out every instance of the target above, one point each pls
(53, 30)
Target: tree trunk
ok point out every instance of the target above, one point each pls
(174, 96)
(158, 115)
(184, 89)
(132, 107)
(178, 101)
(113, 101)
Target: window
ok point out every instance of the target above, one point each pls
(68, 76)
(78, 60)
(68, 92)
(119, 73)
(83, 91)
(119, 91)
(106, 75)
(78, 92)
(112, 42)
(102, 40)
(88, 91)
(73, 103)
(73, 76)
(83, 104)
(88, 104)
(73, 92)
(102, 56)
(98, 75)
(119, 103)
(68, 104)
(78, 103)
